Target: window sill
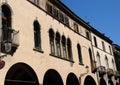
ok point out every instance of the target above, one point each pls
(38, 50)
(61, 58)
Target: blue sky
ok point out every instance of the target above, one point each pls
(103, 15)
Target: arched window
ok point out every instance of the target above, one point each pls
(69, 49)
(37, 35)
(98, 59)
(79, 54)
(106, 61)
(52, 45)
(63, 46)
(113, 63)
(6, 23)
(58, 51)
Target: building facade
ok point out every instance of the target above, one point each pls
(44, 43)
(104, 59)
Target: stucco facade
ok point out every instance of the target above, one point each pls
(104, 59)
(28, 65)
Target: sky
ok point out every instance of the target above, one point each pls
(103, 15)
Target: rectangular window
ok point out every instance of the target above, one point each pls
(103, 45)
(61, 17)
(88, 35)
(110, 50)
(76, 28)
(49, 8)
(66, 20)
(55, 12)
(95, 41)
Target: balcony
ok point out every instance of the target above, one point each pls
(117, 74)
(101, 70)
(110, 72)
(9, 40)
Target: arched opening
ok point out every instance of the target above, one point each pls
(102, 81)
(89, 81)
(72, 79)
(21, 74)
(52, 77)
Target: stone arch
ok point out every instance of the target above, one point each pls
(89, 81)
(21, 74)
(72, 79)
(52, 77)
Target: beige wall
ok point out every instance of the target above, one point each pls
(23, 16)
(101, 52)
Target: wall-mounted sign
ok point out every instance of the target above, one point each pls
(2, 64)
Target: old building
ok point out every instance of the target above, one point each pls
(44, 43)
(104, 59)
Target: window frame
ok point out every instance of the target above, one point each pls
(37, 36)
(52, 41)
(79, 54)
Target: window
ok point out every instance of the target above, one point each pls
(36, 2)
(95, 41)
(58, 52)
(113, 63)
(52, 45)
(6, 23)
(63, 46)
(87, 35)
(37, 35)
(79, 54)
(66, 20)
(69, 49)
(49, 8)
(103, 45)
(76, 28)
(93, 66)
(98, 59)
(106, 61)
(57, 14)
(55, 11)
(61, 16)
(110, 50)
